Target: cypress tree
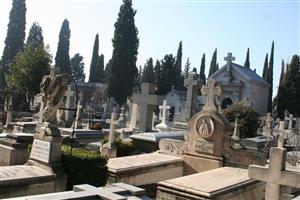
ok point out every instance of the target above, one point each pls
(247, 61)
(35, 36)
(213, 63)
(166, 75)
(14, 41)
(202, 70)
(95, 58)
(148, 72)
(270, 78)
(62, 58)
(157, 71)
(187, 68)
(123, 72)
(289, 89)
(77, 67)
(265, 69)
(178, 62)
(99, 70)
(281, 73)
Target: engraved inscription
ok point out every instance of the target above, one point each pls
(204, 146)
(40, 150)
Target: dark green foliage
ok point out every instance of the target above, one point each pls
(270, 78)
(62, 58)
(157, 71)
(248, 119)
(77, 67)
(100, 70)
(148, 72)
(123, 71)
(166, 75)
(281, 73)
(35, 37)
(265, 69)
(139, 77)
(84, 167)
(194, 70)
(202, 70)
(95, 59)
(247, 61)
(187, 68)
(124, 148)
(213, 64)
(179, 79)
(28, 68)
(14, 41)
(288, 96)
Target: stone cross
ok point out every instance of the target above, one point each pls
(113, 122)
(275, 174)
(229, 58)
(211, 90)
(290, 120)
(78, 112)
(192, 83)
(9, 108)
(164, 108)
(146, 100)
(69, 102)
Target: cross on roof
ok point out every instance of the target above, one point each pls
(211, 90)
(113, 122)
(275, 175)
(164, 109)
(229, 58)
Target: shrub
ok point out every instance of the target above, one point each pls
(123, 148)
(97, 126)
(248, 119)
(84, 166)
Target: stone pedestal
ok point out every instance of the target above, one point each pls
(110, 151)
(14, 148)
(43, 172)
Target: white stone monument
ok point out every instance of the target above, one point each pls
(275, 174)
(164, 125)
(146, 100)
(109, 149)
(192, 83)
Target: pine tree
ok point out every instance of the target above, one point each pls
(289, 89)
(77, 67)
(187, 68)
(202, 70)
(148, 72)
(35, 37)
(95, 58)
(14, 42)
(265, 69)
(123, 72)
(270, 78)
(62, 58)
(28, 68)
(213, 63)
(247, 61)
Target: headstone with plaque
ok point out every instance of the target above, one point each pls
(208, 129)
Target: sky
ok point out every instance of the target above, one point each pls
(201, 25)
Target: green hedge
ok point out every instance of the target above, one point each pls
(84, 167)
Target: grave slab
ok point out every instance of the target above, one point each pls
(144, 169)
(223, 183)
(149, 142)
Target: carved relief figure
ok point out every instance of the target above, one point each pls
(206, 127)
